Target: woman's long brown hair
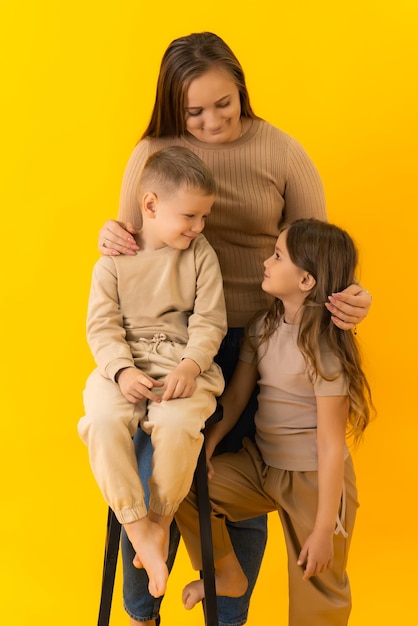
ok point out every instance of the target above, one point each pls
(186, 59)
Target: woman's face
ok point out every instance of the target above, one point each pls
(213, 108)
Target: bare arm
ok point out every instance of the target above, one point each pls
(234, 400)
(318, 551)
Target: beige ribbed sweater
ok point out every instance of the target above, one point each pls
(261, 177)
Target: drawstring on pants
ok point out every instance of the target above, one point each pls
(155, 341)
(339, 527)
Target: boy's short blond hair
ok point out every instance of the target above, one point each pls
(175, 167)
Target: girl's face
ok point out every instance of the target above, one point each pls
(213, 108)
(282, 278)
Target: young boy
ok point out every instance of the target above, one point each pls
(155, 323)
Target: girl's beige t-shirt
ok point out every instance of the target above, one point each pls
(286, 419)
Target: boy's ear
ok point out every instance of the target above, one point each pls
(307, 282)
(149, 204)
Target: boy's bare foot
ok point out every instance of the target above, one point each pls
(148, 539)
(164, 521)
(230, 581)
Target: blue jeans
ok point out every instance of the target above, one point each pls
(248, 537)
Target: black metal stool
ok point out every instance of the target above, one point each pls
(210, 608)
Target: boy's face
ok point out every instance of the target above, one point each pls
(178, 219)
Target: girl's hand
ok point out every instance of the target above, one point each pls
(317, 553)
(349, 307)
(117, 238)
(209, 467)
(210, 445)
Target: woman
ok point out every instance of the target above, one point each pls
(262, 176)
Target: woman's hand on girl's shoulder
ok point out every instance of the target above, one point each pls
(117, 238)
(349, 307)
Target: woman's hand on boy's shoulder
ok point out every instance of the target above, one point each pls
(117, 238)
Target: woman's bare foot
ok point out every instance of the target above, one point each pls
(133, 622)
(148, 540)
(230, 581)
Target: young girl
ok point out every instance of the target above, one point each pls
(313, 393)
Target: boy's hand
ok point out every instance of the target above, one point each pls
(318, 553)
(181, 382)
(135, 385)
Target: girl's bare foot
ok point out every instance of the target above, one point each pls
(148, 540)
(230, 581)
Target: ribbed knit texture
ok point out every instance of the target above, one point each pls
(260, 178)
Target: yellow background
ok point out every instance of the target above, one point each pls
(77, 85)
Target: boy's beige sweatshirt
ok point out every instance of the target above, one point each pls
(177, 293)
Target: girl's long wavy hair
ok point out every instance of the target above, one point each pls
(186, 59)
(329, 255)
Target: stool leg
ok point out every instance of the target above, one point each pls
(109, 567)
(210, 606)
